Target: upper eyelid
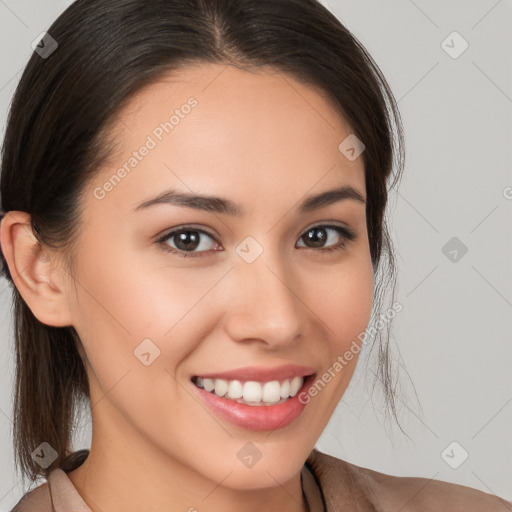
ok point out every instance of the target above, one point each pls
(188, 227)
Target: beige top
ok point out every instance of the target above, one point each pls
(344, 487)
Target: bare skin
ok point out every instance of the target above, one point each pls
(266, 142)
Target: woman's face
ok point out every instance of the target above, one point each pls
(256, 290)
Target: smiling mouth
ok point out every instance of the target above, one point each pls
(252, 392)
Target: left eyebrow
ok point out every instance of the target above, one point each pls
(221, 205)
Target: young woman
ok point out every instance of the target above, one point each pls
(193, 223)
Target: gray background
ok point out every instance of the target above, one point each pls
(452, 338)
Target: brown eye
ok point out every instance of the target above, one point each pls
(317, 236)
(186, 241)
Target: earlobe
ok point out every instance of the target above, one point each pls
(35, 274)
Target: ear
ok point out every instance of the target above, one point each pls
(36, 276)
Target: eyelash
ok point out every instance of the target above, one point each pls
(347, 236)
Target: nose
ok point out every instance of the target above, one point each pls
(265, 303)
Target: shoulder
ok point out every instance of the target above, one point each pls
(37, 499)
(383, 492)
(427, 494)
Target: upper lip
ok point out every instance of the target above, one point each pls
(261, 373)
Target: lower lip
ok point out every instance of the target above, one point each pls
(263, 417)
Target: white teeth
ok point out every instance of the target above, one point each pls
(252, 392)
(295, 385)
(285, 389)
(235, 389)
(208, 384)
(221, 387)
(271, 392)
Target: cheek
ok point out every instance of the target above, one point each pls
(127, 307)
(343, 300)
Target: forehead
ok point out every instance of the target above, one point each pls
(211, 127)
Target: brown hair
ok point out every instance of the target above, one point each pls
(55, 141)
